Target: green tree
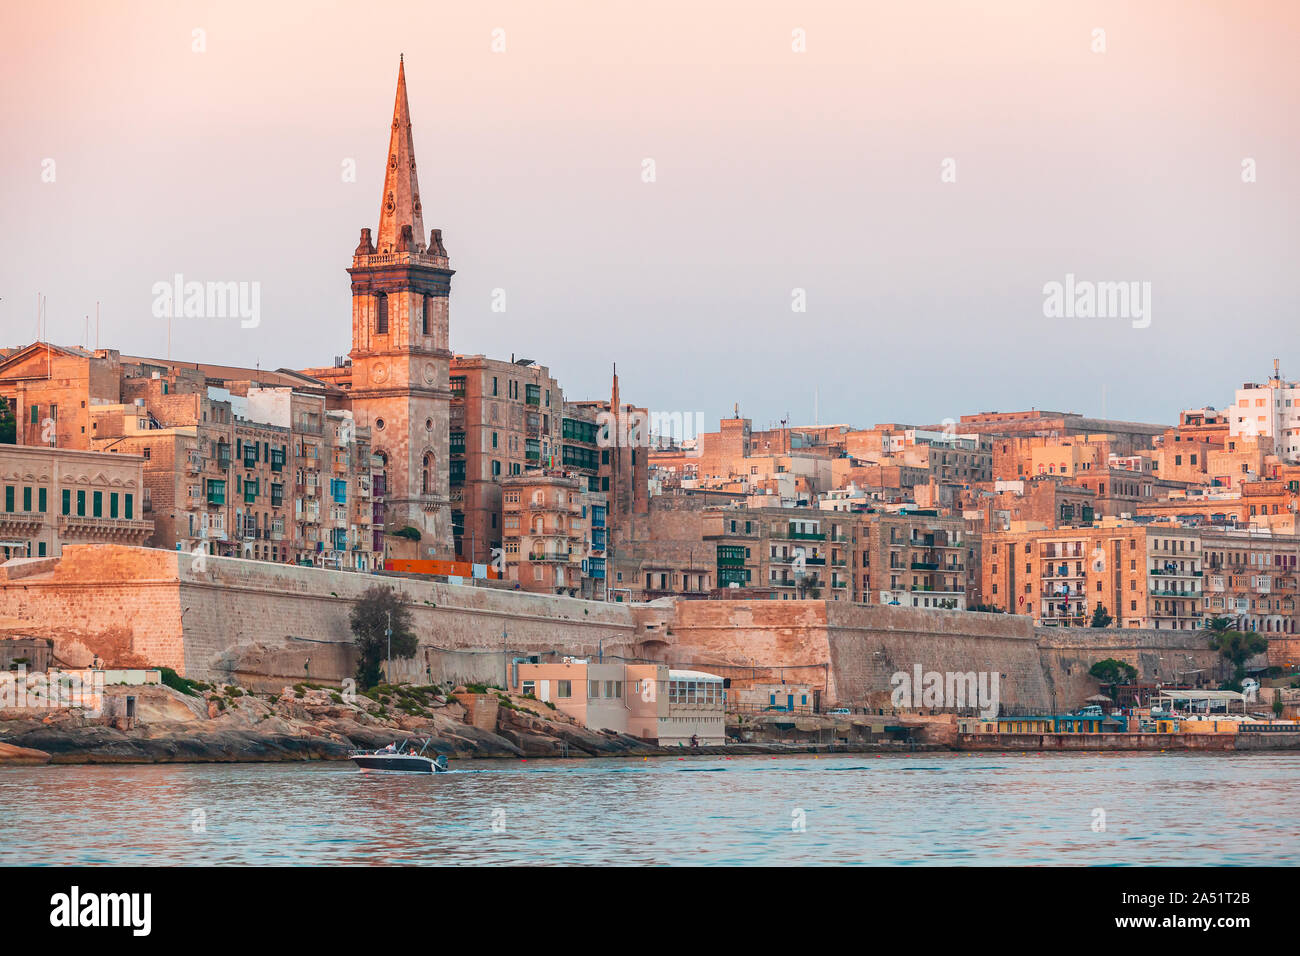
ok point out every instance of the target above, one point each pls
(1218, 624)
(1101, 617)
(1277, 702)
(8, 426)
(370, 620)
(1111, 671)
(1237, 648)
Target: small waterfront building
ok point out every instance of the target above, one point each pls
(648, 701)
(797, 698)
(591, 693)
(695, 710)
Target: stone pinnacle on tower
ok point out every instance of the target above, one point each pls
(400, 205)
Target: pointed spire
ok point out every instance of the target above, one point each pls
(400, 205)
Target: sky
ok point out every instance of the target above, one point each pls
(843, 210)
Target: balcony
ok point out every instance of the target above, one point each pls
(925, 566)
(22, 523)
(83, 524)
(550, 557)
(793, 535)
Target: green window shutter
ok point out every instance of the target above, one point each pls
(81, 504)
(67, 501)
(112, 505)
(130, 509)
(99, 504)
(27, 499)
(40, 500)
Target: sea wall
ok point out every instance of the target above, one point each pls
(1160, 656)
(259, 624)
(852, 651)
(265, 625)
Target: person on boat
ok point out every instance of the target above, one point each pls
(695, 741)
(391, 748)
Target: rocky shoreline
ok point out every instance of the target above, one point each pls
(227, 724)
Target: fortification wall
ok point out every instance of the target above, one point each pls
(120, 603)
(268, 624)
(851, 650)
(1160, 656)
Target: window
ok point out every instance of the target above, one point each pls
(67, 501)
(40, 500)
(593, 689)
(563, 688)
(81, 504)
(381, 314)
(9, 497)
(129, 507)
(112, 505)
(425, 327)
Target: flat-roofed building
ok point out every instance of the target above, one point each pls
(51, 497)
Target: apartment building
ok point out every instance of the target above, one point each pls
(505, 418)
(917, 560)
(1126, 437)
(908, 559)
(1049, 500)
(1143, 575)
(231, 466)
(1269, 410)
(58, 496)
(51, 389)
(553, 534)
(1251, 577)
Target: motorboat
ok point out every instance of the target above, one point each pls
(398, 759)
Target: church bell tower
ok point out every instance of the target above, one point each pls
(400, 350)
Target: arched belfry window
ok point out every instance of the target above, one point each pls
(427, 328)
(381, 314)
(426, 474)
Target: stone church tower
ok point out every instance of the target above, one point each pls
(400, 354)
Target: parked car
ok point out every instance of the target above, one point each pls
(839, 712)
